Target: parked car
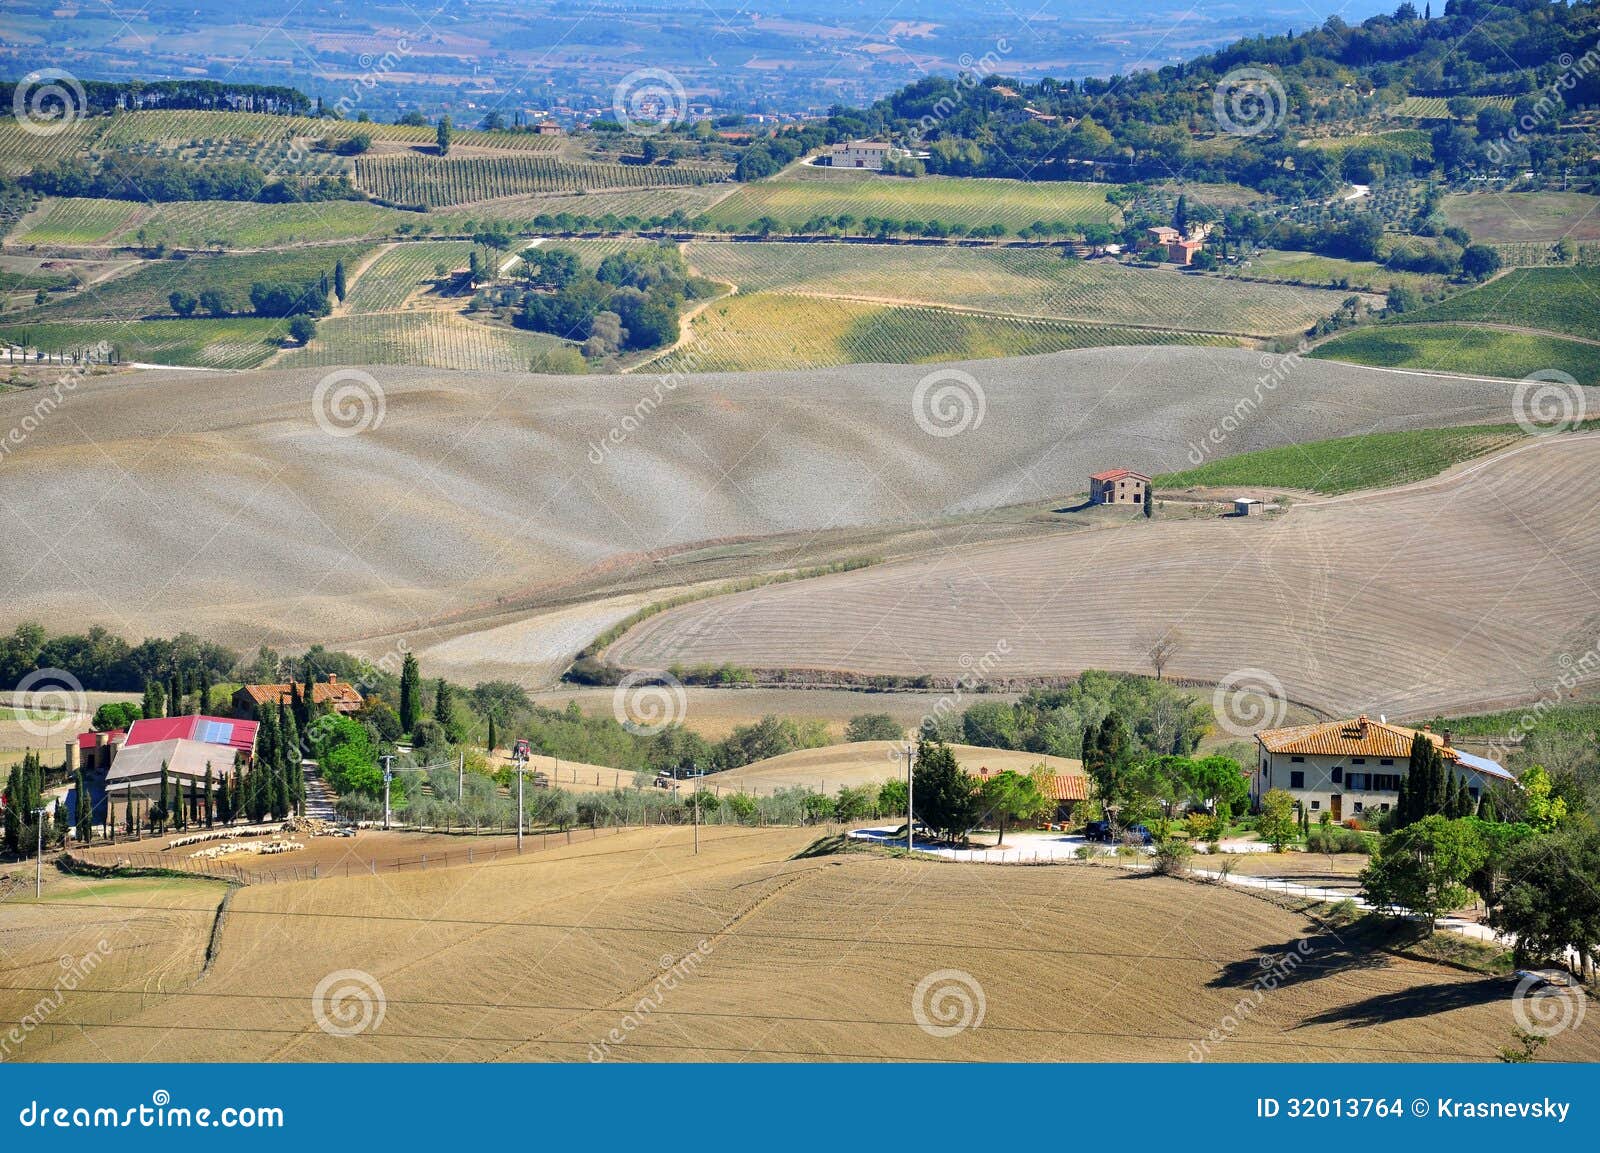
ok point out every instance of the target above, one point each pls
(1137, 835)
(1097, 831)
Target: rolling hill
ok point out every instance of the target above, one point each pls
(240, 513)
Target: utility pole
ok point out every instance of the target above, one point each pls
(911, 809)
(38, 860)
(461, 777)
(698, 773)
(388, 775)
(521, 773)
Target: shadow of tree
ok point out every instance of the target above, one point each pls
(1417, 1001)
(1317, 954)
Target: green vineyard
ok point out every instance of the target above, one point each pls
(433, 339)
(432, 181)
(771, 331)
(1034, 282)
(231, 342)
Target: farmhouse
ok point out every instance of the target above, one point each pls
(1347, 768)
(869, 154)
(340, 696)
(1118, 486)
(1067, 790)
(114, 762)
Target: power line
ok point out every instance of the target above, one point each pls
(235, 911)
(1431, 1054)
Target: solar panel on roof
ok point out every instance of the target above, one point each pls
(216, 733)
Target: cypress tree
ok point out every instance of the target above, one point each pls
(410, 693)
(210, 814)
(1402, 804)
(205, 692)
(339, 280)
(14, 810)
(442, 704)
(308, 699)
(85, 813)
(128, 809)
(162, 816)
(492, 743)
(224, 805)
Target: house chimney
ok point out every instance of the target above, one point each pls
(333, 678)
(1447, 738)
(72, 756)
(1361, 725)
(1427, 726)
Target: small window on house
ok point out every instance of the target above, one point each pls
(1316, 804)
(1297, 780)
(1298, 760)
(1358, 760)
(1338, 776)
(1358, 806)
(1384, 808)
(1387, 761)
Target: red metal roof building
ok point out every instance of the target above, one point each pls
(234, 734)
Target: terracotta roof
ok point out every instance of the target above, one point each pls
(1056, 786)
(1364, 737)
(1117, 474)
(330, 691)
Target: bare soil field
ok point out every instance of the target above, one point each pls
(468, 494)
(835, 767)
(743, 953)
(1450, 594)
(715, 712)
